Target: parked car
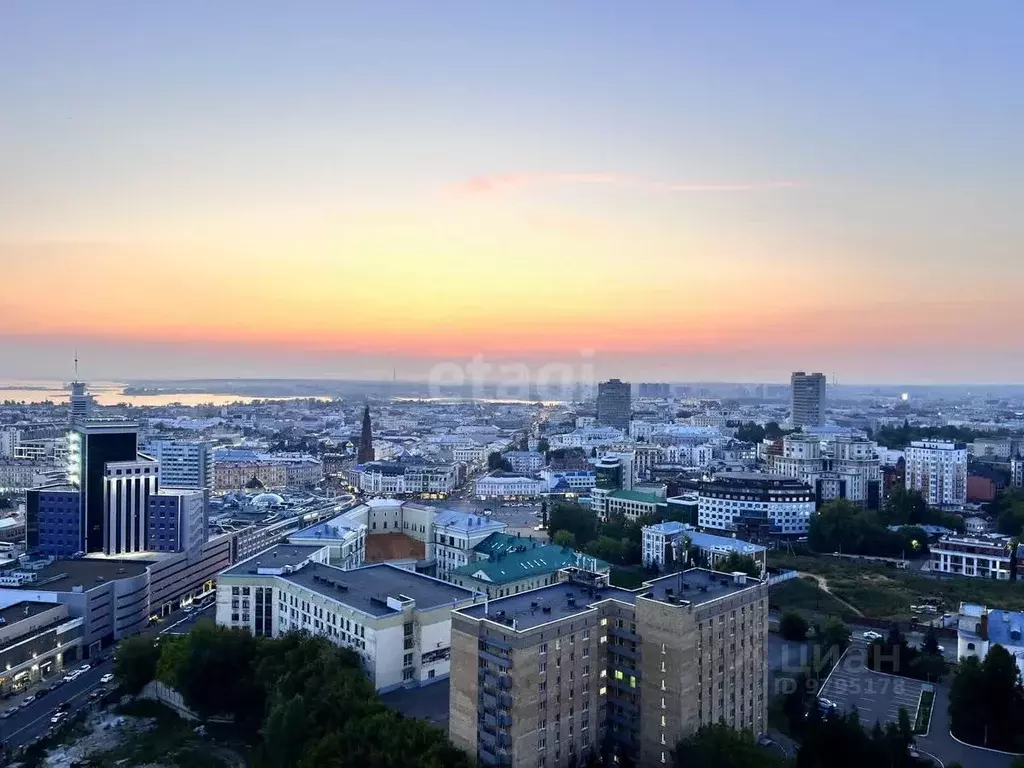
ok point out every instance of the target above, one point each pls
(7, 713)
(84, 668)
(27, 700)
(57, 718)
(107, 678)
(871, 636)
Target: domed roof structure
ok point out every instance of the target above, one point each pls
(266, 500)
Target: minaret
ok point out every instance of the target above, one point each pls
(366, 438)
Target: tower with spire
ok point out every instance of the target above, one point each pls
(80, 401)
(366, 438)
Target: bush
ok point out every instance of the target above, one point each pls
(793, 626)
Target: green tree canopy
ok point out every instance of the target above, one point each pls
(564, 538)
(719, 746)
(793, 626)
(496, 461)
(135, 663)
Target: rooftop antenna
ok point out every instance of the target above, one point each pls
(76, 365)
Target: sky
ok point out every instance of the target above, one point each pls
(667, 190)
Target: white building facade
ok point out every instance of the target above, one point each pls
(938, 470)
(983, 557)
(398, 621)
(756, 503)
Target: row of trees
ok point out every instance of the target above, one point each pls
(842, 526)
(619, 540)
(894, 656)
(836, 741)
(752, 432)
(900, 437)
(986, 702)
(301, 700)
(1008, 510)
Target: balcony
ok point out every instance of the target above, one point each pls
(487, 740)
(489, 700)
(488, 679)
(624, 651)
(624, 633)
(487, 755)
(505, 700)
(500, 661)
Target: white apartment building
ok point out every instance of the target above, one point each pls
(938, 470)
(183, 464)
(991, 448)
(984, 557)
(1017, 473)
(469, 454)
(455, 535)
(503, 485)
(842, 468)
(587, 437)
(398, 621)
(525, 462)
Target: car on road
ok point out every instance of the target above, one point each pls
(72, 675)
(7, 713)
(57, 718)
(107, 678)
(27, 700)
(84, 668)
(871, 636)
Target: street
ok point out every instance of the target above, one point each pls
(28, 724)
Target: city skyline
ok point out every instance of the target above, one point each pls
(688, 194)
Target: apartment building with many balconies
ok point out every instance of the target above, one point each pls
(548, 677)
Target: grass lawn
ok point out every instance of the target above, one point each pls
(924, 712)
(882, 592)
(803, 595)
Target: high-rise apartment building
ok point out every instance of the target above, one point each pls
(183, 464)
(550, 676)
(808, 399)
(938, 470)
(613, 404)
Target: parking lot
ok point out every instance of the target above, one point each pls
(854, 687)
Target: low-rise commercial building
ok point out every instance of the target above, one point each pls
(37, 640)
(755, 504)
(504, 485)
(986, 557)
(665, 545)
(551, 676)
(524, 462)
(633, 505)
(398, 621)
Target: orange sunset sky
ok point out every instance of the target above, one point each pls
(689, 194)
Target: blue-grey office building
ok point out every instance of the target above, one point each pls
(53, 520)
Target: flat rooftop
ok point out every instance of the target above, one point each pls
(367, 588)
(696, 587)
(64, 575)
(23, 610)
(277, 556)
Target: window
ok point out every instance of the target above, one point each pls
(970, 646)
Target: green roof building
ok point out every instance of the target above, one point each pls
(508, 565)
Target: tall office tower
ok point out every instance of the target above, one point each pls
(183, 464)
(808, 403)
(554, 675)
(613, 404)
(366, 439)
(938, 470)
(127, 487)
(94, 444)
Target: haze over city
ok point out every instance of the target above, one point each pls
(689, 191)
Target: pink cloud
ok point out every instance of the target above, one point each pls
(513, 182)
